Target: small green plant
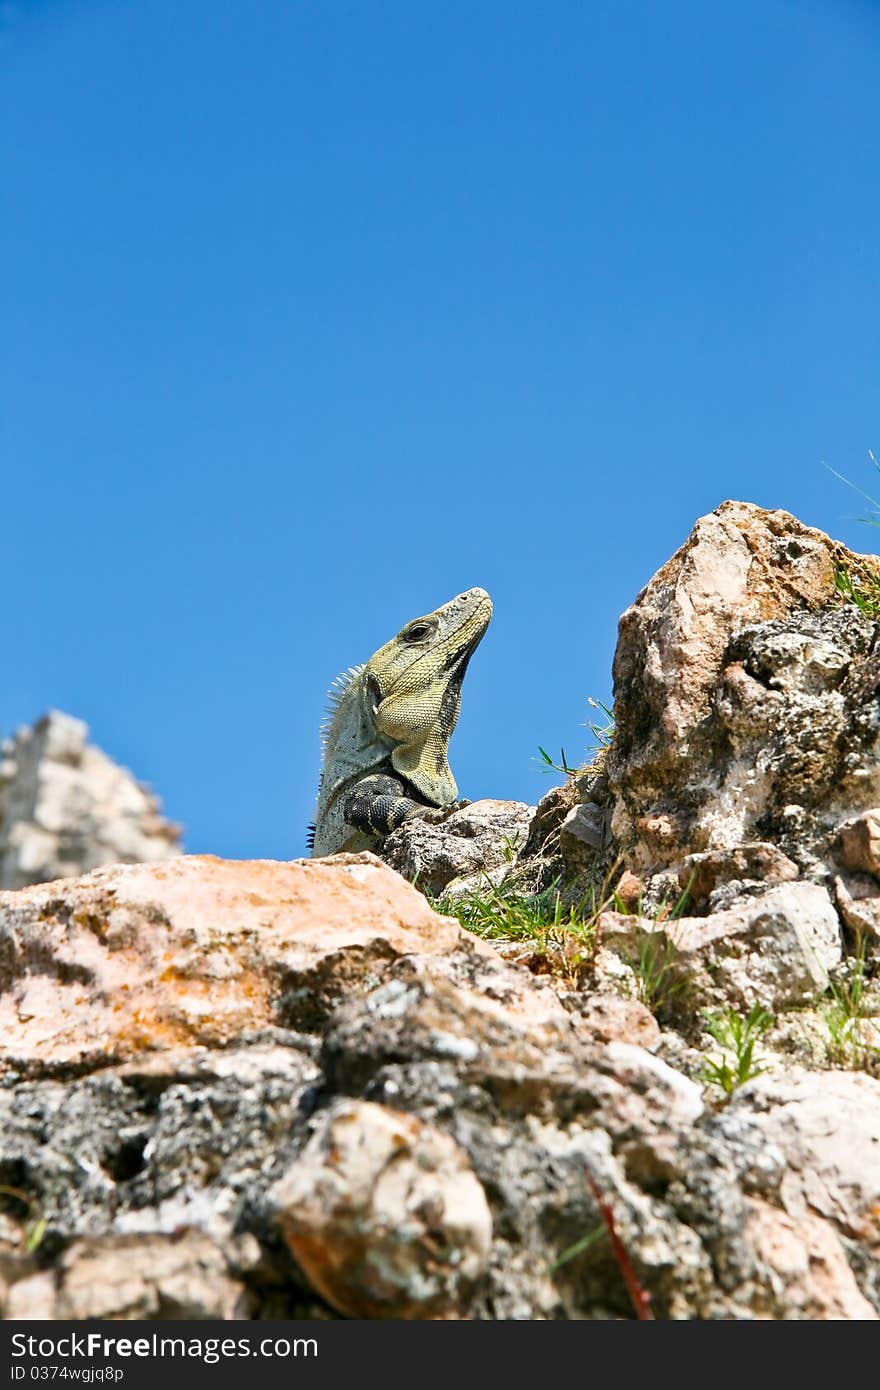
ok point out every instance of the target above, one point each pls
(861, 589)
(510, 847)
(602, 732)
(736, 1034)
(861, 585)
(35, 1224)
(656, 967)
(845, 1017)
(563, 931)
(548, 765)
(658, 980)
(579, 1247)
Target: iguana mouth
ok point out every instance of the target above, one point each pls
(483, 615)
(459, 662)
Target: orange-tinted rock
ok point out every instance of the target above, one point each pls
(196, 950)
(805, 1267)
(385, 1215)
(700, 874)
(858, 902)
(744, 695)
(130, 1277)
(860, 843)
(609, 1018)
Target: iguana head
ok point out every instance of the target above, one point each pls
(412, 687)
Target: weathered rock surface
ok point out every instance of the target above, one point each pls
(65, 807)
(398, 1122)
(183, 1275)
(806, 1265)
(860, 843)
(583, 834)
(295, 1090)
(195, 951)
(805, 1114)
(384, 1214)
(724, 873)
(745, 697)
(828, 1128)
(858, 901)
(475, 839)
(611, 1018)
(774, 949)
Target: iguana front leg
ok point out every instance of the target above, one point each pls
(378, 804)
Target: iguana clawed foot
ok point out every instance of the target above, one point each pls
(434, 815)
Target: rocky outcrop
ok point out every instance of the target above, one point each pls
(774, 949)
(65, 807)
(456, 854)
(183, 1274)
(194, 952)
(742, 782)
(257, 1089)
(745, 697)
(297, 1090)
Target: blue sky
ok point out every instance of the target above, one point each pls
(315, 314)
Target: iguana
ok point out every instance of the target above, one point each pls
(387, 731)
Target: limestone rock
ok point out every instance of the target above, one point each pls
(385, 1215)
(482, 883)
(827, 1126)
(66, 808)
(32, 1298)
(745, 697)
(858, 901)
(196, 950)
(805, 1266)
(629, 890)
(583, 835)
(497, 1099)
(609, 1018)
(860, 843)
(482, 836)
(178, 1276)
(542, 840)
(774, 949)
(733, 870)
(185, 1275)
(180, 1139)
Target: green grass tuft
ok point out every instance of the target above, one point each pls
(602, 731)
(658, 980)
(738, 1035)
(845, 1017)
(862, 589)
(562, 931)
(655, 967)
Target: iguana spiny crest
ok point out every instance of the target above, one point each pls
(386, 738)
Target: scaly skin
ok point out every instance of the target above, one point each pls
(386, 742)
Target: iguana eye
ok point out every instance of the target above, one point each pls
(417, 633)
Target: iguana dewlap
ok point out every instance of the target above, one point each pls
(386, 739)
